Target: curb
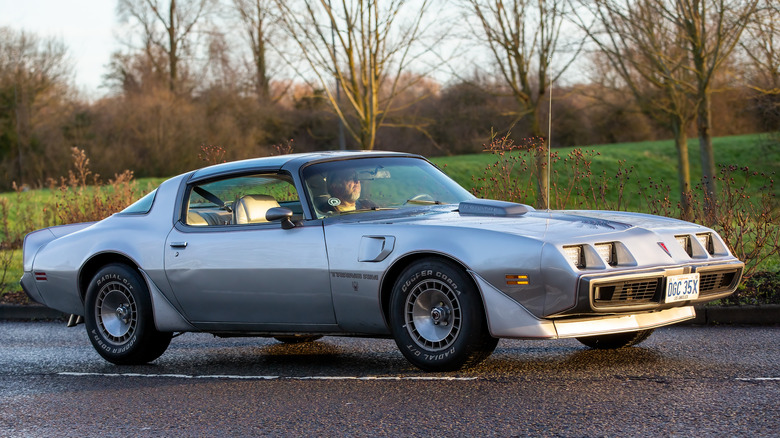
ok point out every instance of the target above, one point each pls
(15, 312)
(737, 315)
(705, 315)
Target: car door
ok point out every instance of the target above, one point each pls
(231, 269)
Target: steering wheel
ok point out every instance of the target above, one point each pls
(420, 198)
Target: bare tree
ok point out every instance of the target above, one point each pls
(524, 36)
(34, 75)
(169, 28)
(762, 50)
(360, 48)
(647, 58)
(712, 29)
(255, 17)
(707, 32)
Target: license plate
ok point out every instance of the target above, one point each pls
(682, 287)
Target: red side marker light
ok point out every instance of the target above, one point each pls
(661, 244)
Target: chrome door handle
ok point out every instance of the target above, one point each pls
(178, 244)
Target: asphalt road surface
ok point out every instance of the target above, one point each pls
(682, 381)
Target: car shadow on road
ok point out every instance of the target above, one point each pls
(326, 357)
(334, 357)
(558, 360)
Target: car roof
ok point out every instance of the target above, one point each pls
(291, 162)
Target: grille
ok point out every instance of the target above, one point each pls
(627, 293)
(712, 283)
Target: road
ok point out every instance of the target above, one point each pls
(683, 381)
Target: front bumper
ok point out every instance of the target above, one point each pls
(570, 328)
(644, 291)
(509, 319)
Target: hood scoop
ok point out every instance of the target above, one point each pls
(490, 207)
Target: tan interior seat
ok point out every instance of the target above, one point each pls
(251, 209)
(193, 218)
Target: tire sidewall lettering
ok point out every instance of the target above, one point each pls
(430, 273)
(101, 343)
(115, 277)
(432, 357)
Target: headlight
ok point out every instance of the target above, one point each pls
(575, 255)
(685, 242)
(607, 252)
(706, 241)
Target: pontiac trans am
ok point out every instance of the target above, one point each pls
(260, 248)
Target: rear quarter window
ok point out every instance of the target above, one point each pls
(141, 206)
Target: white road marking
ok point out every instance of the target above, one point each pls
(238, 377)
(365, 378)
(758, 379)
(171, 376)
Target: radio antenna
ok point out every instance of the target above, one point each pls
(549, 136)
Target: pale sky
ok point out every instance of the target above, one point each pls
(85, 26)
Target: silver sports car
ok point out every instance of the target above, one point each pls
(368, 244)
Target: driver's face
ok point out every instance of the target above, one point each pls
(352, 189)
(348, 190)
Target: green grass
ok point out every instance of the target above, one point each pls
(651, 159)
(32, 204)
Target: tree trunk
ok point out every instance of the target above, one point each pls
(703, 123)
(263, 90)
(540, 156)
(172, 55)
(18, 128)
(683, 170)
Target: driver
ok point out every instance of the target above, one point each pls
(344, 189)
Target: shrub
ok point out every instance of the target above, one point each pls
(759, 288)
(572, 182)
(500, 180)
(81, 197)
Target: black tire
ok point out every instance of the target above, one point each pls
(297, 339)
(617, 340)
(118, 317)
(437, 317)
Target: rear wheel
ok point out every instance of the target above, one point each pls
(617, 340)
(437, 317)
(119, 320)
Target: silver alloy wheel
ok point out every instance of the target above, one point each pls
(116, 312)
(433, 315)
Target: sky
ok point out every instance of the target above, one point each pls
(85, 26)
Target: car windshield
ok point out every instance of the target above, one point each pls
(369, 184)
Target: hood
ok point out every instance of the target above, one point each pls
(548, 225)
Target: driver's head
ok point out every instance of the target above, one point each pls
(344, 184)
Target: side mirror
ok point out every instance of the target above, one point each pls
(280, 213)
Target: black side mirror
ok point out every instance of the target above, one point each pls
(280, 213)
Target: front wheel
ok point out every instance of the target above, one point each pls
(437, 317)
(617, 340)
(119, 320)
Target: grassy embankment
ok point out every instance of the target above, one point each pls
(656, 160)
(652, 159)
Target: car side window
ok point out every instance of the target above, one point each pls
(241, 200)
